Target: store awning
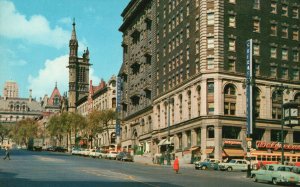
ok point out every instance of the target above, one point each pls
(209, 150)
(161, 142)
(166, 142)
(194, 148)
(234, 152)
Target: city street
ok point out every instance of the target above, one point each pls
(59, 169)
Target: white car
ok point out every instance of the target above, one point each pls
(95, 153)
(75, 151)
(235, 164)
(112, 155)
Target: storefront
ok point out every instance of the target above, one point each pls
(232, 149)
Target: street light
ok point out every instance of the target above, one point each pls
(279, 91)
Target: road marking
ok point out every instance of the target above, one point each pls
(112, 174)
(48, 159)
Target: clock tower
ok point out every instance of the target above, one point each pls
(78, 72)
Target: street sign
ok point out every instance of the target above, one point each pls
(119, 82)
(249, 76)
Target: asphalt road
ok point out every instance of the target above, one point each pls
(39, 169)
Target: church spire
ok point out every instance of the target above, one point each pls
(73, 37)
(73, 44)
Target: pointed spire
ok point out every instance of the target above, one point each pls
(73, 37)
(56, 84)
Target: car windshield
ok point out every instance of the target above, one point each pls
(232, 161)
(296, 170)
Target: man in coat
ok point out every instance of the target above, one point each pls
(6, 153)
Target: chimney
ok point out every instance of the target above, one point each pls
(30, 95)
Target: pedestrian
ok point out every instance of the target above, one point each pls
(176, 165)
(6, 153)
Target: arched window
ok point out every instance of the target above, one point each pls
(189, 94)
(276, 105)
(150, 123)
(229, 100)
(113, 102)
(180, 106)
(210, 131)
(125, 133)
(198, 99)
(257, 102)
(113, 138)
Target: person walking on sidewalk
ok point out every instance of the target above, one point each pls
(6, 153)
(176, 165)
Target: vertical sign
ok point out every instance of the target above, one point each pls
(118, 109)
(249, 86)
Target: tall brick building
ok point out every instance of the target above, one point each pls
(197, 67)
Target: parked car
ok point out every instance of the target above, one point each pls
(276, 173)
(60, 149)
(207, 164)
(103, 154)
(112, 155)
(51, 148)
(235, 164)
(95, 153)
(75, 151)
(124, 156)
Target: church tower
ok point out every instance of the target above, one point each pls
(78, 72)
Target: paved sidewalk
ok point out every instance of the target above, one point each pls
(147, 160)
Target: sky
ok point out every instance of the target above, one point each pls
(34, 39)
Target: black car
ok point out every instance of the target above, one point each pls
(124, 156)
(60, 149)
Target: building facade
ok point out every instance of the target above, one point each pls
(136, 73)
(101, 97)
(13, 110)
(11, 89)
(78, 72)
(198, 86)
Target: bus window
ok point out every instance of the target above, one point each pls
(258, 157)
(263, 158)
(294, 159)
(268, 158)
(274, 158)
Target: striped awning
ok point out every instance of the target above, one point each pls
(209, 150)
(234, 152)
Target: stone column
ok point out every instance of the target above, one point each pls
(267, 135)
(184, 140)
(218, 97)
(203, 93)
(218, 142)
(176, 142)
(203, 141)
(194, 137)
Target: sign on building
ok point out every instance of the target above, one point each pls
(249, 76)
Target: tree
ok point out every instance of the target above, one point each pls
(55, 128)
(93, 126)
(25, 130)
(4, 132)
(105, 117)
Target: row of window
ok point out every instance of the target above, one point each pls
(274, 8)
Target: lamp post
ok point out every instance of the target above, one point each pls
(279, 91)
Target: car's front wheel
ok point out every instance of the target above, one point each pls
(203, 167)
(274, 181)
(254, 178)
(196, 168)
(229, 169)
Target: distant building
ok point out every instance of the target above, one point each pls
(52, 104)
(13, 110)
(101, 97)
(11, 89)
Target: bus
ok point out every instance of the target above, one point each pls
(259, 158)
